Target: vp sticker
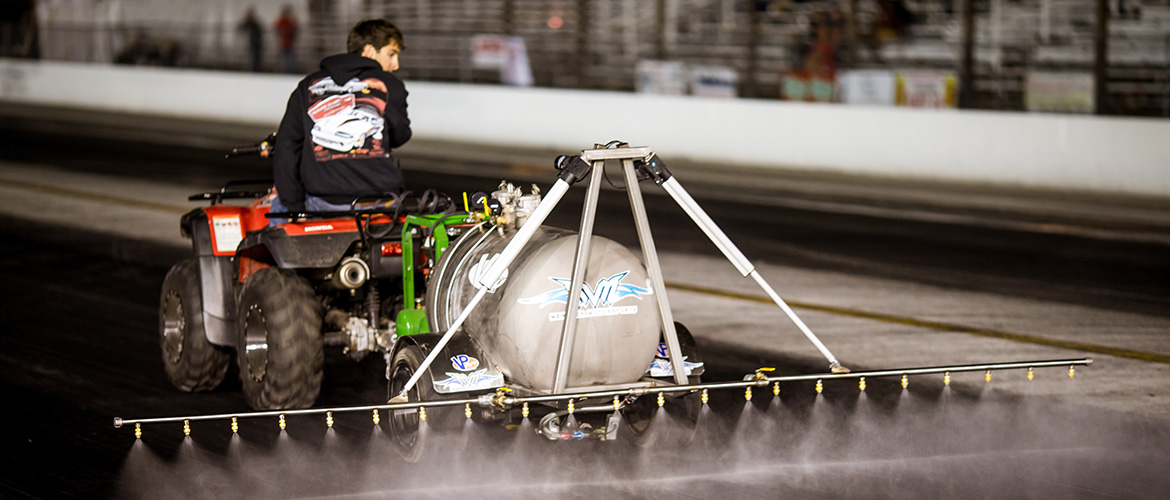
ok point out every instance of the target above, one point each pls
(464, 363)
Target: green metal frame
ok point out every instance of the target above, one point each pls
(412, 319)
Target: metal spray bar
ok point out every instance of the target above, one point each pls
(119, 421)
(757, 379)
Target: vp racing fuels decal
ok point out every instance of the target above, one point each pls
(347, 119)
(462, 382)
(595, 301)
(464, 363)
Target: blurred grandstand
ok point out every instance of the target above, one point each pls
(601, 44)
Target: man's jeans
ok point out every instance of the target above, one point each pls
(312, 204)
(315, 204)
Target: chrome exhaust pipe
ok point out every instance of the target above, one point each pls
(351, 273)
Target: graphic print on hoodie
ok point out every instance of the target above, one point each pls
(347, 119)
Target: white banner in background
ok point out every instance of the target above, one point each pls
(1053, 92)
(713, 81)
(926, 89)
(869, 87)
(508, 53)
(488, 51)
(662, 77)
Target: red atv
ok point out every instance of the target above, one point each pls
(278, 294)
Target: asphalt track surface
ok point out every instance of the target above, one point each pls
(79, 347)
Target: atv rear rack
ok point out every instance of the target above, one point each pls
(502, 399)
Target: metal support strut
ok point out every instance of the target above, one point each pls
(741, 263)
(655, 168)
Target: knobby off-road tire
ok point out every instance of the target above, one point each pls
(686, 407)
(191, 362)
(408, 433)
(279, 346)
(637, 422)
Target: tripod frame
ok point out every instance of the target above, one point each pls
(634, 161)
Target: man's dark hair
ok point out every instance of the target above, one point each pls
(375, 32)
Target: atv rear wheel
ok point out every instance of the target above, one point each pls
(191, 362)
(279, 346)
(684, 408)
(637, 421)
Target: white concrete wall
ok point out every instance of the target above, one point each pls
(1121, 155)
(231, 96)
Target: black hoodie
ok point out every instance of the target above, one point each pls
(335, 138)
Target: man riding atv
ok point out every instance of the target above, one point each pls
(334, 142)
(272, 294)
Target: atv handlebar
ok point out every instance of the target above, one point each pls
(217, 197)
(262, 148)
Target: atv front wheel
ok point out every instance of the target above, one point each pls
(279, 346)
(191, 362)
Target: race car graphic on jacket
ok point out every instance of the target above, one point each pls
(347, 119)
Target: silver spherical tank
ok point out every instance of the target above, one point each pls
(519, 325)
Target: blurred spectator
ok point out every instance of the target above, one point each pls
(813, 59)
(18, 29)
(286, 33)
(798, 49)
(835, 21)
(1123, 9)
(826, 32)
(892, 22)
(251, 28)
